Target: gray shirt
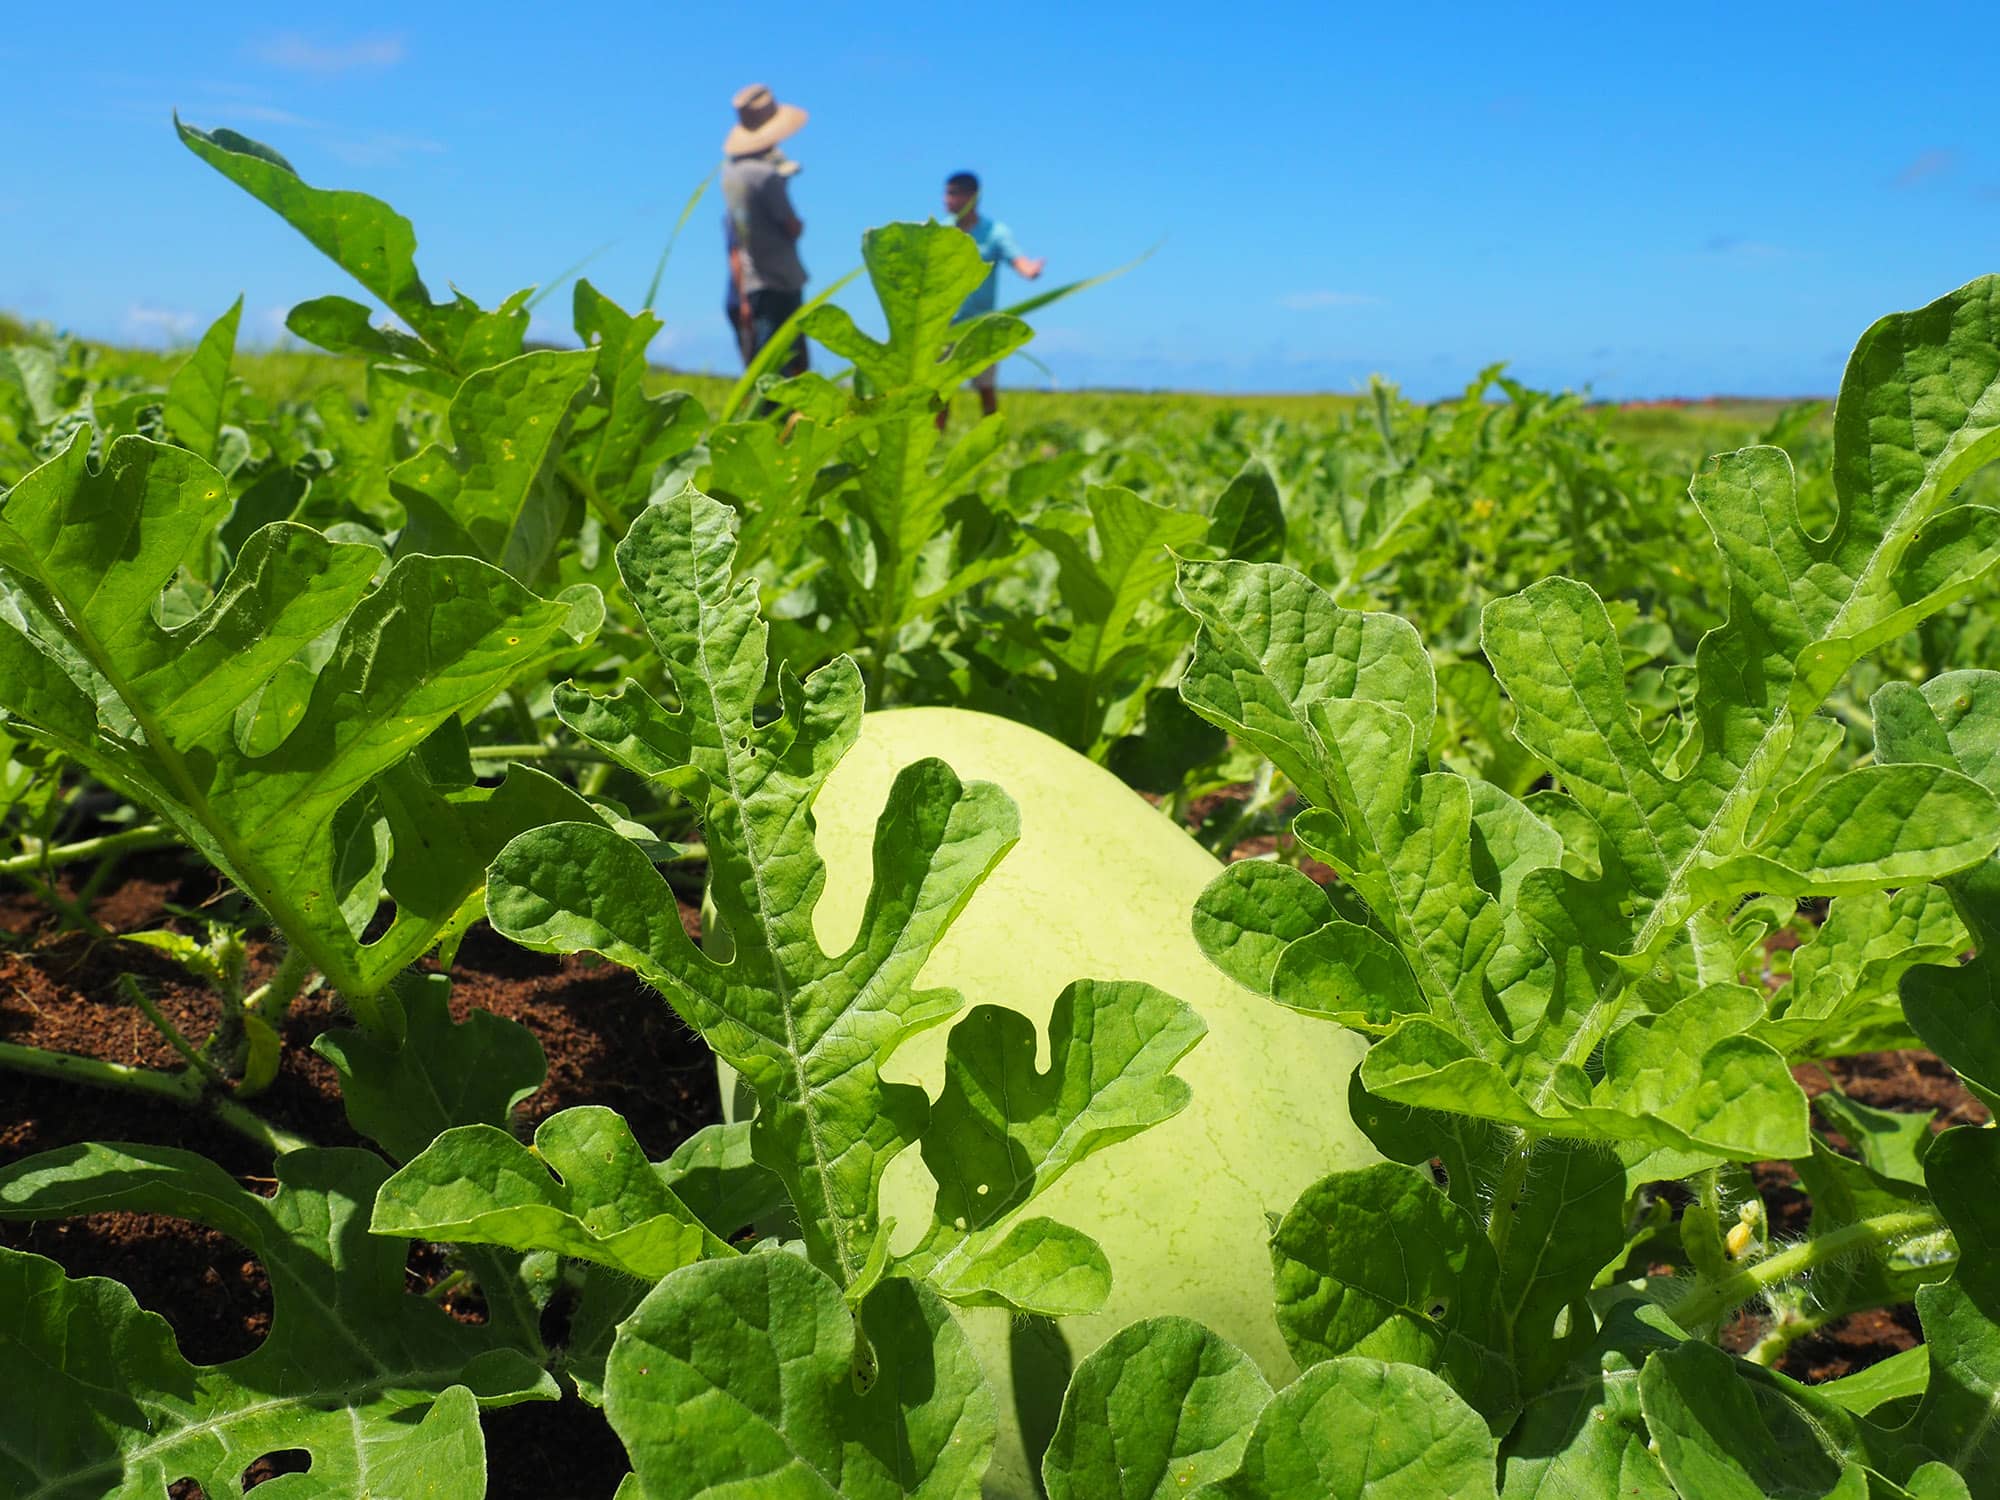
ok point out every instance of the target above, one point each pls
(754, 190)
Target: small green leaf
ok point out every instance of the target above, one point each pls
(371, 242)
(715, 1173)
(1160, 1408)
(1362, 1429)
(618, 455)
(745, 1376)
(494, 493)
(584, 1189)
(1733, 1439)
(442, 1073)
(1378, 1262)
(1247, 521)
(196, 392)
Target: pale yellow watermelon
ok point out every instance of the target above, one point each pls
(1102, 886)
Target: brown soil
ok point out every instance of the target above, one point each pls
(609, 1041)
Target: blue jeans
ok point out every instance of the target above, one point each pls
(768, 311)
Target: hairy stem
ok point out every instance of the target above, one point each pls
(1709, 1303)
(274, 996)
(1507, 1194)
(1790, 1327)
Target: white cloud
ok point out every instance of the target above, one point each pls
(1735, 247)
(146, 323)
(298, 53)
(1926, 164)
(380, 150)
(267, 325)
(1319, 300)
(263, 114)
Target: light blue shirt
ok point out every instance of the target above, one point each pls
(996, 244)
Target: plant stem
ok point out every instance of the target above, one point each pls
(71, 912)
(136, 993)
(524, 717)
(47, 857)
(1507, 1195)
(1704, 1305)
(1786, 1331)
(183, 1088)
(274, 996)
(97, 1072)
(538, 752)
(248, 1123)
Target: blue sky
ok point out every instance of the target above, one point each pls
(1668, 200)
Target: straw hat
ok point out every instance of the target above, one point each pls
(761, 121)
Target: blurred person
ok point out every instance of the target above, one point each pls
(734, 308)
(765, 272)
(995, 242)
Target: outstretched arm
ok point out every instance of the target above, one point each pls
(1026, 267)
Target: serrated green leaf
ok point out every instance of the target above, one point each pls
(493, 493)
(1109, 580)
(1160, 1408)
(807, 1029)
(615, 455)
(1843, 991)
(196, 391)
(1001, 1132)
(152, 710)
(1272, 644)
(744, 1376)
(584, 1189)
(379, 1386)
(1546, 963)
(921, 274)
(371, 242)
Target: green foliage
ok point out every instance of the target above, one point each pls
(381, 1388)
(809, 1030)
(1167, 1408)
(248, 740)
(1567, 964)
(1633, 806)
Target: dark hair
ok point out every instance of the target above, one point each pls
(965, 182)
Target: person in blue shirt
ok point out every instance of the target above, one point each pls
(996, 245)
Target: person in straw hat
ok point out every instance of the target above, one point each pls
(764, 260)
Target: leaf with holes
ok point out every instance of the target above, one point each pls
(380, 1387)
